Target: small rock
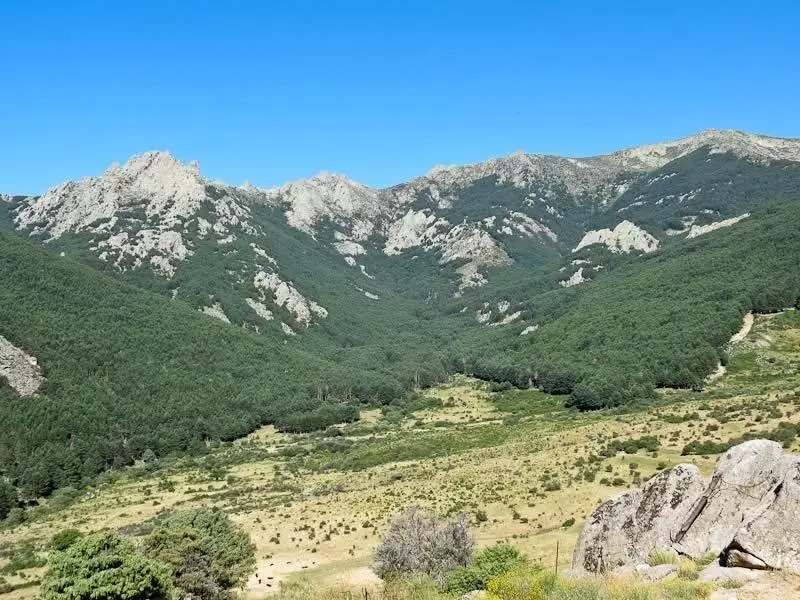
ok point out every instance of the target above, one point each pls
(474, 595)
(739, 558)
(719, 573)
(623, 572)
(657, 573)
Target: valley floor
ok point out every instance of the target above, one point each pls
(523, 468)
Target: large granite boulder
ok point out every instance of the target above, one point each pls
(625, 529)
(744, 476)
(771, 533)
(746, 514)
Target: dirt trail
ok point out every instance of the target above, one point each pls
(736, 338)
(747, 325)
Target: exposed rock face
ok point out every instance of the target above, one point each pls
(574, 279)
(215, 310)
(773, 533)
(698, 230)
(154, 181)
(746, 514)
(743, 477)
(140, 213)
(151, 211)
(159, 214)
(19, 369)
(625, 529)
(625, 237)
(285, 295)
(330, 196)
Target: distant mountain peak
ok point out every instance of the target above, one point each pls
(739, 143)
(156, 182)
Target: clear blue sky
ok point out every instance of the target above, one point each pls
(277, 90)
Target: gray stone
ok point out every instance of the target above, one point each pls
(745, 475)
(603, 543)
(717, 573)
(666, 499)
(622, 572)
(734, 557)
(657, 573)
(747, 515)
(625, 529)
(771, 534)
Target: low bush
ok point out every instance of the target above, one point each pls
(65, 538)
(488, 563)
(207, 553)
(419, 544)
(105, 566)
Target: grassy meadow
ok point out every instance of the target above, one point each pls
(523, 468)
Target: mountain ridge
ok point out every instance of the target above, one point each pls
(156, 213)
(363, 296)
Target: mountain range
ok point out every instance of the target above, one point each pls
(602, 278)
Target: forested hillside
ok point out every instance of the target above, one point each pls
(601, 279)
(126, 370)
(660, 321)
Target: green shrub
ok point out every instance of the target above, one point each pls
(65, 538)
(8, 498)
(208, 554)
(488, 563)
(525, 583)
(105, 566)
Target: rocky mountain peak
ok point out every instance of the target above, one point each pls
(326, 195)
(156, 182)
(739, 143)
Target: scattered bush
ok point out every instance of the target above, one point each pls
(632, 446)
(22, 556)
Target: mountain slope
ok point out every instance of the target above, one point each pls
(125, 370)
(599, 277)
(662, 321)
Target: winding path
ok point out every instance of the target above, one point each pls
(736, 338)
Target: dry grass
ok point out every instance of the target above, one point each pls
(527, 475)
